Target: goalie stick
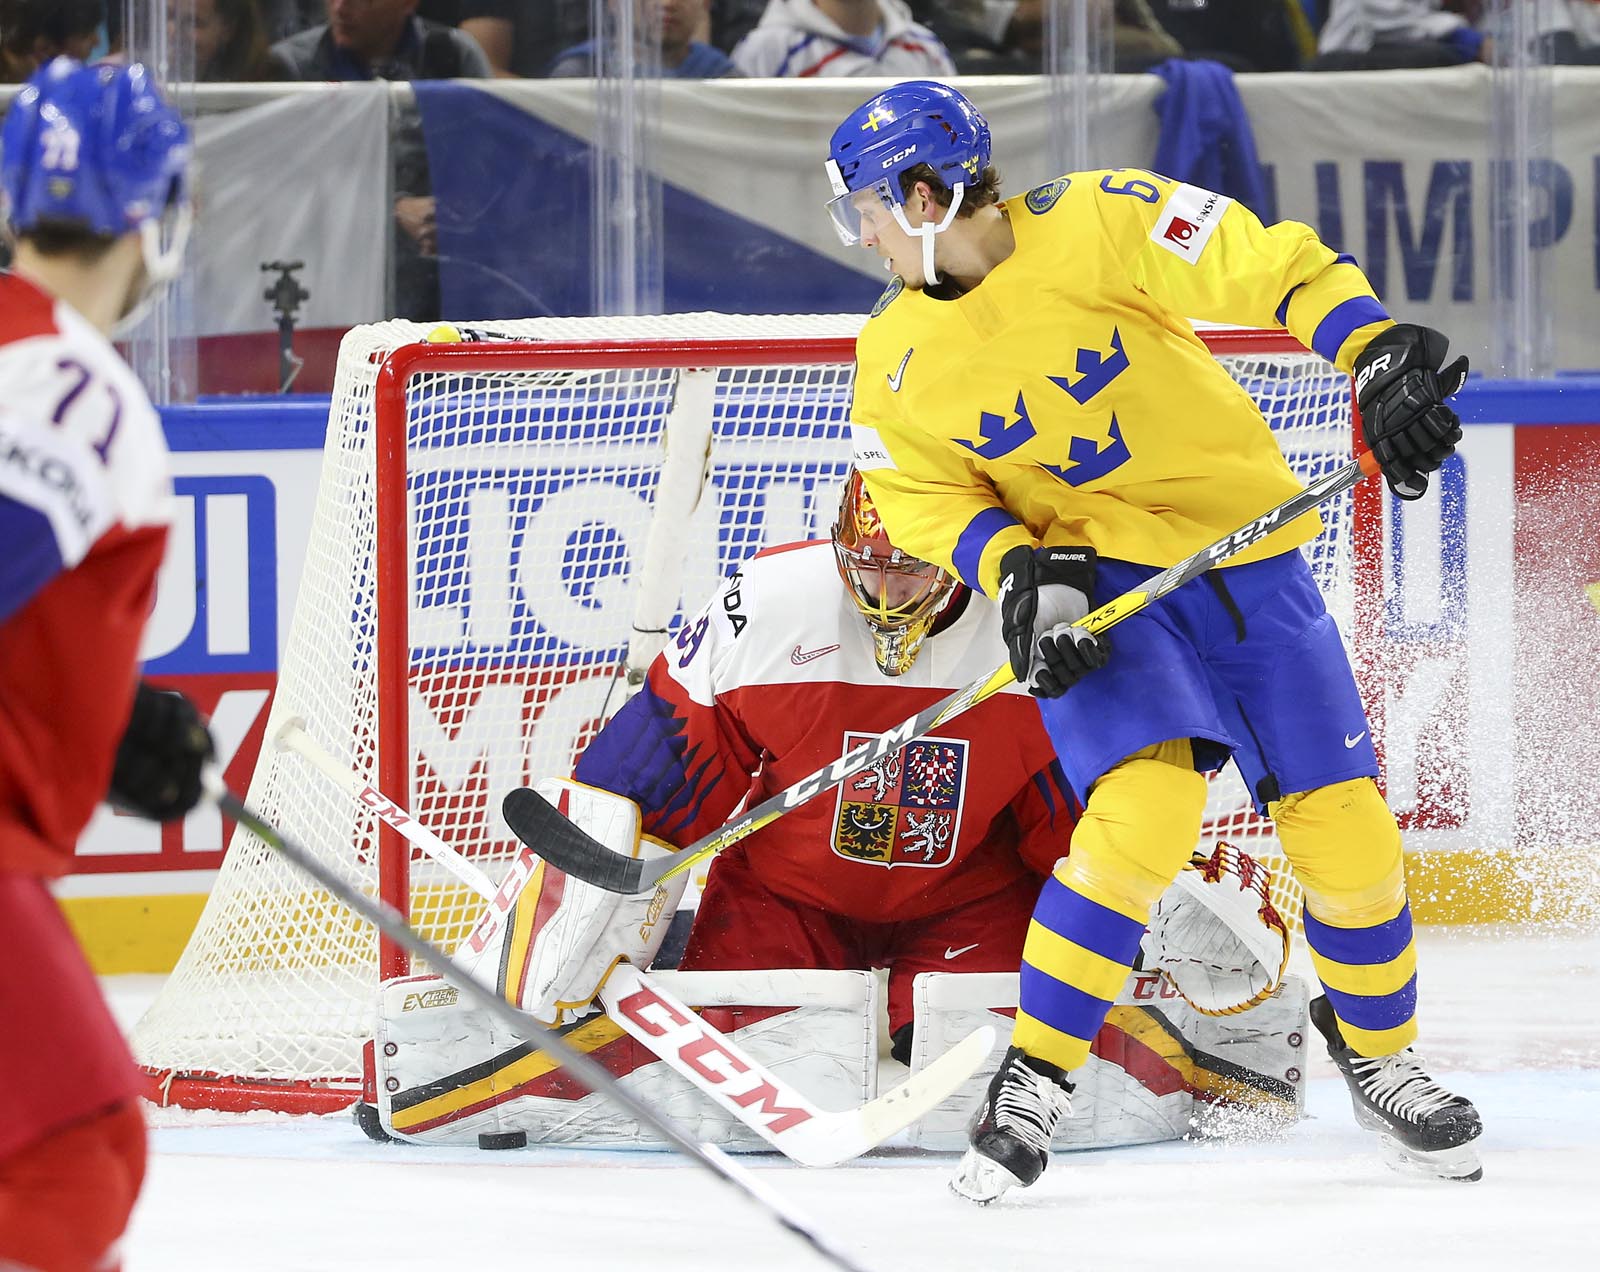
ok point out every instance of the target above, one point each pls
(571, 851)
(583, 1067)
(769, 1105)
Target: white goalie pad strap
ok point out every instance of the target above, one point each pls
(447, 1072)
(1158, 1069)
(548, 941)
(1216, 935)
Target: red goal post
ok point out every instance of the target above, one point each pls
(500, 526)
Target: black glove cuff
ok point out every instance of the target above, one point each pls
(1072, 565)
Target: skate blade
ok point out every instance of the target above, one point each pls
(1460, 1164)
(981, 1180)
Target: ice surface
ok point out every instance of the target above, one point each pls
(1510, 1020)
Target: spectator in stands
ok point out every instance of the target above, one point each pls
(1244, 35)
(280, 18)
(1006, 37)
(1562, 32)
(1377, 35)
(379, 39)
(804, 38)
(384, 39)
(227, 36)
(519, 37)
(732, 20)
(674, 23)
(1583, 43)
(32, 32)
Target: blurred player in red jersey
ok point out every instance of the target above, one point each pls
(93, 164)
(928, 861)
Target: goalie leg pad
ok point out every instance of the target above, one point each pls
(1158, 1069)
(447, 1072)
(547, 942)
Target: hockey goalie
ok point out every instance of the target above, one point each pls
(925, 866)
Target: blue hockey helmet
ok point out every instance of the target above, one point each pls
(917, 122)
(97, 148)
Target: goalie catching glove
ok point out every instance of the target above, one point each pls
(548, 941)
(1401, 387)
(1216, 936)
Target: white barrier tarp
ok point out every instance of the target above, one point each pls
(1392, 167)
(302, 177)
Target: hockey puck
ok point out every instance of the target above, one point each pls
(366, 1116)
(504, 1139)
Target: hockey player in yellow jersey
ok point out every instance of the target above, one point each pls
(1034, 412)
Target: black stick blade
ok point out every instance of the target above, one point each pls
(535, 821)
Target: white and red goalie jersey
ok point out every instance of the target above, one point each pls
(84, 504)
(774, 679)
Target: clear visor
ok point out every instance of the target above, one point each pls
(861, 212)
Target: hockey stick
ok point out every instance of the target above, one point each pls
(704, 1056)
(583, 1067)
(569, 850)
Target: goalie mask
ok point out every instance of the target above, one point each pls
(899, 595)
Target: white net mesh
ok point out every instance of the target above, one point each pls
(530, 494)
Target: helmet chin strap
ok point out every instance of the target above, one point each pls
(928, 229)
(161, 265)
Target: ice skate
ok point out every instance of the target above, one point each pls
(1012, 1128)
(1422, 1126)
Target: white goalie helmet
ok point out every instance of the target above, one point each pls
(900, 596)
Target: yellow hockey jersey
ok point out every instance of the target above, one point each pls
(1067, 400)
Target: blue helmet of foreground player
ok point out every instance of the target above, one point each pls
(920, 121)
(96, 148)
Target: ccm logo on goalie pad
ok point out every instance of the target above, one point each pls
(704, 1052)
(488, 926)
(1147, 985)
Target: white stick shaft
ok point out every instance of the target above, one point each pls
(580, 1064)
(293, 737)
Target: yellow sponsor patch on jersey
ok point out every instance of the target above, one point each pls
(1041, 199)
(895, 287)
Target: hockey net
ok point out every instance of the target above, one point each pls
(499, 528)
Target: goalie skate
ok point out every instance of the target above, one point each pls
(1422, 1127)
(1012, 1128)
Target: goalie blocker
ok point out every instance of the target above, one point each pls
(547, 941)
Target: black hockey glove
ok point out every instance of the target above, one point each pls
(1043, 592)
(1401, 391)
(164, 747)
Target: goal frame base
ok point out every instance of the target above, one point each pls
(222, 1094)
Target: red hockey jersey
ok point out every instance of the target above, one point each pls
(84, 505)
(774, 679)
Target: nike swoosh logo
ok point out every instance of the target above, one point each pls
(899, 373)
(950, 953)
(801, 657)
(1350, 743)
